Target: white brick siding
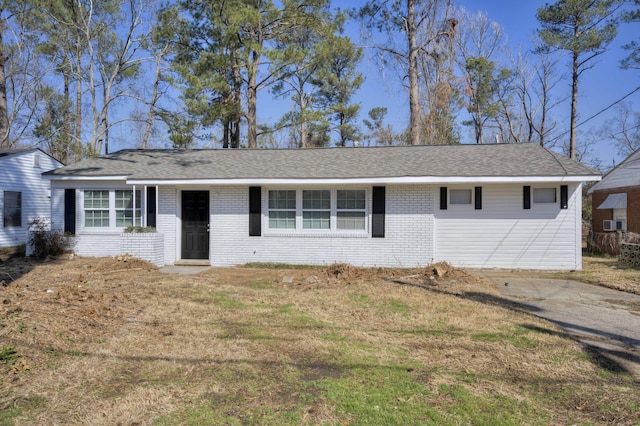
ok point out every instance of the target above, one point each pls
(407, 243)
(146, 246)
(167, 223)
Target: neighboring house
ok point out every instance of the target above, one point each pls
(24, 194)
(616, 198)
(503, 205)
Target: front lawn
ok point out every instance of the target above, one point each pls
(101, 341)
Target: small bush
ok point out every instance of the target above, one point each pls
(609, 242)
(139, 229)
(44, 241)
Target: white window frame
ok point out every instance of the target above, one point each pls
(95, 208)
(539, 189)
(315, 209)
(277, 210)
(112, 209)
(135, 209)
(352, 210)
(299, 214)
(18, 207)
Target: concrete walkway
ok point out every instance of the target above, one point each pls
(183, 269)
(604, 320)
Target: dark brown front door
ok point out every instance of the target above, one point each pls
(195, 224)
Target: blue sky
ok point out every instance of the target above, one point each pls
(599, 87)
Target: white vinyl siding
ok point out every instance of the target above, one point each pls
(504, 235)
(20, 175)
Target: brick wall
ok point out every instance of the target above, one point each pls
(408, 238)
(633, 208)
(145, 246)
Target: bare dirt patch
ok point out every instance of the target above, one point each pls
(106, 341)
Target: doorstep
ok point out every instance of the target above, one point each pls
(192, 262)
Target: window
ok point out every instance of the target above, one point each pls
(351, 209)
(96, 209)
(282, 209)
(544, 195)
(36, 161)
(12, 214)
(460, 196)
(125, 210)
(316, 209)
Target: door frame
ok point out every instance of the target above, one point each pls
(179, 224)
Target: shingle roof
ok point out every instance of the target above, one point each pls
(13, 151)
(623, 175)
(496, 160)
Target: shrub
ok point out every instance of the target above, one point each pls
(44, 241)
(609, 242)
(139, 229)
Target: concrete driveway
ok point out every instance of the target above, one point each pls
(606, 321)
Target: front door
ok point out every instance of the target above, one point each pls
(195, 224)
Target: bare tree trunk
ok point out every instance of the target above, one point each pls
(252, 132)
(4, 107)
(414, 93)
(574, 107)
(78, 126)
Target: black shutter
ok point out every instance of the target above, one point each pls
(70, 211)
(564, 197)
(443, 198)
(255, 213)
(151, 206)
(378, 209)
(526, 197)
(478, 197)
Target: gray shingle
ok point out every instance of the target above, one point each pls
(497, 160)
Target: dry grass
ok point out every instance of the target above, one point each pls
(101, 341)
(607, 272)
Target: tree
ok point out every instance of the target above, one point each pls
(226, 52)
(440, 95)
(378, 132)
(631, 16)
(336, 81)
(479, 41)
(485, 84)
(21, 72)
(584, 29)
(624, 129)
(51, 127)
(296, 60)
(536, 78)
(407, 17)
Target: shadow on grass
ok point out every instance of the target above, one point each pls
(600, 356)
(14, 264)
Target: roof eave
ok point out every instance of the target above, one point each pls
(366, 180)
